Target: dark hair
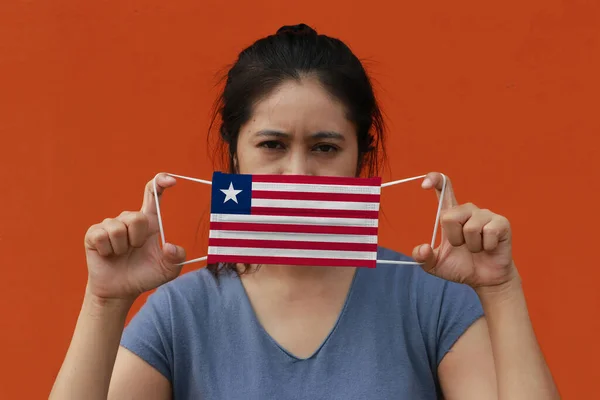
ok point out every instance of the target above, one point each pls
(292, 53)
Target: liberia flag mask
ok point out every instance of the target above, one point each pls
(294, 219)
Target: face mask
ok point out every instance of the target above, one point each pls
(295, 220)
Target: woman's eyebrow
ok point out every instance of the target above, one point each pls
(272, 133)
(317, 135)
(328, 135)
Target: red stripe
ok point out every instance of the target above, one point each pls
(267, 194)
(313, 212)
(331, 230)
(287, 244)
(321, 262)
(317, 180)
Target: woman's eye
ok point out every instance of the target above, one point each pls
(272, 144)
(325, 148)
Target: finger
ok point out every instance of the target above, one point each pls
(473, 229)
(163, 181)
(436, 180)
(495, 231)
(426, 255)
(452, 222)
(137, 227)
(173, 254)
(97, 239)
(117, 234)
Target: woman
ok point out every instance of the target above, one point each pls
(301, 103)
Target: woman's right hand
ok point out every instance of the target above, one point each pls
(124, 255)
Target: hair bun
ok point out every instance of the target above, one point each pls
(300, 29)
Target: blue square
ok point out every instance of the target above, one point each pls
(231, 193)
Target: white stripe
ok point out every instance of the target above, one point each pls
(312, 188)
(276, 219)
(316, 204)
(335, 254)
(293, 237)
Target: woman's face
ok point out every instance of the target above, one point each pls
(298, 129)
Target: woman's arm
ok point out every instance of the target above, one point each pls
(124, 259)
(521, 370)
(90, 360)
(476, 249)
(498, 357)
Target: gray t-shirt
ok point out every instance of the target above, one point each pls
(397, 324)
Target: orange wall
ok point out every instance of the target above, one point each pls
(96, 97)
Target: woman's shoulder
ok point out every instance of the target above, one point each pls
(172, 317)
(423, 292)
(191, 297)
(442, 309)
(196, 289)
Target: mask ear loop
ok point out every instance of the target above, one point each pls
(437, 217)
(435, 227)
(160, 224)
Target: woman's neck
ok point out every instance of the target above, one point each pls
(295, 282)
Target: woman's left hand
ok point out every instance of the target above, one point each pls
(476, 245)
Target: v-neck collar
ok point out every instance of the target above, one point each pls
(248, 304)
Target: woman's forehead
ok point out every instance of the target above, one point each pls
(300, 106)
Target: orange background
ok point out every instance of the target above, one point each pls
(97, 97)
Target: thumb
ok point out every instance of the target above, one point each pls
(426, 255)
(173, 254)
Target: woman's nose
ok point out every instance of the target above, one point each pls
(296, 164)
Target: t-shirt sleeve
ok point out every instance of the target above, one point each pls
(446, 310)
(149, 333)
(459, 309)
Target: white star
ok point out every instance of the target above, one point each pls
(230, 194)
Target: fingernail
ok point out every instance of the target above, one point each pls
(426, 183)
(422, 251)
(169, 179)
